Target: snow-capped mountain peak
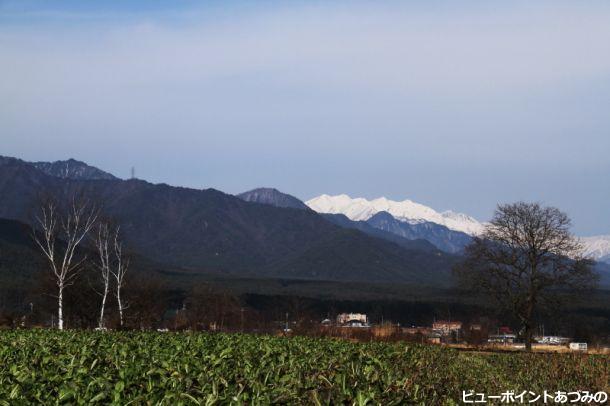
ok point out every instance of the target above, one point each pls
(597, 247)
(406, 210)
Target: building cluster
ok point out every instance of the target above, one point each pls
(441, 331)
(449, 332)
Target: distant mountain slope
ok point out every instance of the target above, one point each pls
(443, 238)
(410, 243)
(72, 169)
(276, 198)
(272, 197)
(20, 263)
(207, 230)
(350, 252)
(603, 269)
(407, 210)
(68, 169)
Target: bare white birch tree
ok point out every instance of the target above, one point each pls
(112, 264)
(119, 271)
(59, 236)
(102, 242)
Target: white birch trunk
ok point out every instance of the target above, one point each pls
(101, 322)
(118, 271)
(60, 308)
(102, 242)
(118, 298)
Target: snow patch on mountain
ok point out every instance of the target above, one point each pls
(72, 169)
(362, 209)
(597, 247)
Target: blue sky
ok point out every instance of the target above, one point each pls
(454, 107)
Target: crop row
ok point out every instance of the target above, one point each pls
(49, 367)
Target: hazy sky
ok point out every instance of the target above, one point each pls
(454, 107)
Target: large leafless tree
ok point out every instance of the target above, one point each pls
(60, 232)
(526, 258)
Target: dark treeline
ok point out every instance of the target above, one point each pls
(209, 307)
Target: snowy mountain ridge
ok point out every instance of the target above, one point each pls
(596, 247)
(406, 210)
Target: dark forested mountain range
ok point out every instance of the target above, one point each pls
(381, 225)
(180, 237)
(207, 231)
(210, 231)
(276, 198)
(18, 248)
(20, 263)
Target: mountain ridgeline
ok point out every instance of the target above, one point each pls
(442, 237)
(448, 230)
(72, 169)
(207, 231)
(185, 233)
(272, 197)
(424, 235)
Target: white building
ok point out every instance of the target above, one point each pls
(352, 319)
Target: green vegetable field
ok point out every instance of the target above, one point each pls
(77, 367)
